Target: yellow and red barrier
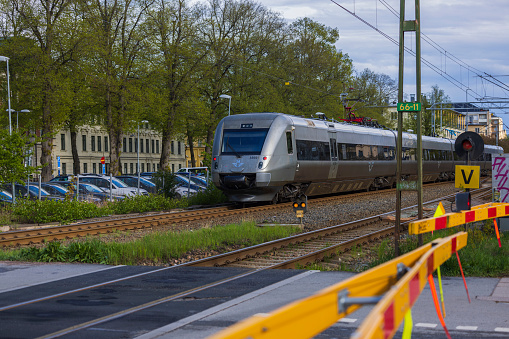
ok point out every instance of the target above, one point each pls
(394, 285)
(478, 213)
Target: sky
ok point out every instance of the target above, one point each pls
(464, 43)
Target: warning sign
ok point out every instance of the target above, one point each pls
(467, 176)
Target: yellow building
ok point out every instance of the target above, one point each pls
(198, 151)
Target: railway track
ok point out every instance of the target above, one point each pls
(310, 247)
(83, 229)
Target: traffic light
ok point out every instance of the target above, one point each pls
(469, 145)
(462, 201)
(300, 203)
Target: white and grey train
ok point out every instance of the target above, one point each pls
(275, 156)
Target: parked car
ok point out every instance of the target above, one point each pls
(195, 179)
(5, 197)
(92, 191)
(60, 190)
(33, 194)
(118, 187)
(184, 181)
(181, 191)
(132, 181)
(194, 170)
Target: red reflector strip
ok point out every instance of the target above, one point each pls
(431, 266)
(507, 210)
(389, 321)
(492, 212)
(440, 223)
(453, 245)
(470, 216)
(413, 287)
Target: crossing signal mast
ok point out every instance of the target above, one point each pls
(300, 206)
(469, 146)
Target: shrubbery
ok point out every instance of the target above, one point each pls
(44, 211)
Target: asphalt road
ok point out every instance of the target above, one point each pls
(83, 301)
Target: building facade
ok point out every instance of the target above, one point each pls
(93, 144)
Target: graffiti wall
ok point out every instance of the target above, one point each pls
(500, 178)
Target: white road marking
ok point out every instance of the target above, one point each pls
(467, 328)
(347, 320)
(427, 325)
(501, 329)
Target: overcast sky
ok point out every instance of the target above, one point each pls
(474, 33)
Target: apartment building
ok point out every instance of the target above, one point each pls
(93, 145)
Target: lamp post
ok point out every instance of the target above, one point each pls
(226, 96)
(138, 169)
(17, 115)
(6, 59)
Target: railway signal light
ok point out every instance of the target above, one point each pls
(463, 202)
(300, 205)
(469, 145)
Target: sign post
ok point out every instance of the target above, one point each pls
(103, 162)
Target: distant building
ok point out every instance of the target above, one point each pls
(199, 151)
(93, 144)
(481, 121)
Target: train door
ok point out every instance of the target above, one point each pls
(333, 145)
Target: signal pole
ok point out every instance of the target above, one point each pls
(408, 26)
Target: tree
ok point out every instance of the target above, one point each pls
(45, 25)
(177, 54)
(375, 91)
(13, 150)
(116, 43)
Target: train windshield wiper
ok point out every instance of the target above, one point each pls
(233, 149)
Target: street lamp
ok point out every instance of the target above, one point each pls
(17, 115)
(226, 96)
(138, 169)
(6, 59)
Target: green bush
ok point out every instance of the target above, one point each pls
(210, 196)
(146, 203)
(43, 211)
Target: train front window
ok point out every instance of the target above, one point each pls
(237, 142)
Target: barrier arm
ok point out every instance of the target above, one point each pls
(477, 213)
(384, 319)
(310, 316)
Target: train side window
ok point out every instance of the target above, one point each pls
(289, 144)
(334, 150)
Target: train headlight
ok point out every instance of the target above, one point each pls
(215, 165)
(260, 164)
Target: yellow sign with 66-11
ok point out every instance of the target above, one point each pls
(409, 106)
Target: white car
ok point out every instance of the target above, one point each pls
(117, 187)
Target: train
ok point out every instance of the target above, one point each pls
(275, 157)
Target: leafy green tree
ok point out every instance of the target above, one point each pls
(374, 91)
(116, 43)
(13, 151)
(47, 26)
(176, 52)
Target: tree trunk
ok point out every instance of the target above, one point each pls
(74, 150)
(164, 161)
(191, 149)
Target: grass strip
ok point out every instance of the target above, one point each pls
(482, 257)
(154, 248)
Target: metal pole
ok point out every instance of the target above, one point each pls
(188, 183)
(400, 126)
(40, 178)
(138, 168)
(6, 59)
(229, 104)
(419, 113)
(111, 187)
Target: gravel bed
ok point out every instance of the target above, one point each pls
(324, 214)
